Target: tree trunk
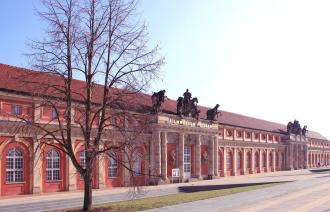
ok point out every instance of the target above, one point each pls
(88, 190)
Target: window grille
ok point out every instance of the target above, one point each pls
(16, 110)
(136, 165)
(53, 165)
(112, 165)
(14, 165)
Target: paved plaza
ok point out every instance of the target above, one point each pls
(306, 191)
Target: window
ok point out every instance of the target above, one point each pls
(238, 162)
(256, 136)
(238, 134)
(135, 122)
(112, 164)
(256, 161)
(248, 160)
(263, 137)
(54, 114)
(14, 166)
(229, 159)
(53, 165)
(248, 135)
(229, 133)
(126, 122)
(136, 166)
(276, 138)
(82, 159)
(187, 159)
(271, 159)
(270, 137)
(220, 131)
(264, 159)
(16, 109)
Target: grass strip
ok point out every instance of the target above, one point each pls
(172, 199)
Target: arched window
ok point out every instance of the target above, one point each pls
(53, 165)
(229, 160)
(238, 161)
(14, 165)
(264, 159)
(248, 160)
(136, 164)
(112, 164)
(256, 160)
(82, 159)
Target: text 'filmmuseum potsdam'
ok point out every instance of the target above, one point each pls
(200, 142)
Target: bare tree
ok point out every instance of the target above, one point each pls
(103, 43)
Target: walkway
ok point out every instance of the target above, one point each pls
(310, 192)
(247, 200)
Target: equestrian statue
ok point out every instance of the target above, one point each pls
(158, 98)
(295, 128)
(187, 106)
(211, 113)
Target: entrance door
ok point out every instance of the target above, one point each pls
(187, 162)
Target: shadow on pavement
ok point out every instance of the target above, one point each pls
(287, 175)
(319, 170)
(324, 176)
(189, 189)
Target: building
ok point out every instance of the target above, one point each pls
(230, 146)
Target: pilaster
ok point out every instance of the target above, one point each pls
(211, 157)
(253, 160)
(244, 161)
(267, 160)
(101, 174)
(216, 156)
(72, 177)
(260, 161)
(164, 155)
(181, 154)
(274, 161)
(37, 170)
(224, 161)
(235, 162)
(198, 156)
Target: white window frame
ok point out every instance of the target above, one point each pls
(187, 159)
(53, 113)
(53, 165)
(16, 109)
(137, 165)
(112, 164)
(14, 166)
(82, 159)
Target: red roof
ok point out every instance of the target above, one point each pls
(17, 79)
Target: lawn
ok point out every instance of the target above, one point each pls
(161, 201)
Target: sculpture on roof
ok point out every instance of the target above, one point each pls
(179, 104)
(158, 98)
(304, 130)
(211, 113)
(193, 108)
(186, 103)
(187, 106)
(295, 128)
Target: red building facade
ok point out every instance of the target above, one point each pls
(232, 145)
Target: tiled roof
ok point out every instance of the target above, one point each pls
(14, 79)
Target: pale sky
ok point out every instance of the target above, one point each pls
(265, 59)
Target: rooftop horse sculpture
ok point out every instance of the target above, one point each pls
(211, 113)
(157, 98)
